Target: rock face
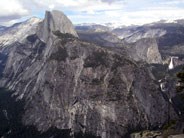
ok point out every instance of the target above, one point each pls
(147, 134)
(145, 50)
(139, 42)
(134, 33)
(154, 134)
(177, 136)
(169, 37)
(18, 32)
(71, 84)
(85, 88)
(105, 39)
(55, 21)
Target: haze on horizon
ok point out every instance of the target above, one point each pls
(125, 12)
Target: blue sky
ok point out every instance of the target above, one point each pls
(125, 12)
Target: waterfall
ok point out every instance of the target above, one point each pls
(171, 64)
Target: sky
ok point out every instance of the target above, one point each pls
(125, 12)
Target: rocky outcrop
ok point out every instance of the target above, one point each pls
(85, 88)
(105, 39)
(55, 21)
(145, 50)
(147, 134)
(70, 84)
(169, 37)
(154, 134)
(134, 33)
(177, 136)
(18, 32)
(142, 46)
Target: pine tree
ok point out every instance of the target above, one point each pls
(180, 86)
(178, 100)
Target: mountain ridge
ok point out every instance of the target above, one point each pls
(83, 87)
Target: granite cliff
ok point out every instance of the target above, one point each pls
(75, 85)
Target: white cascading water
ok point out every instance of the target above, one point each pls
(171, 64)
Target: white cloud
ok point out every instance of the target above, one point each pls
(51, 7)
(10, 11)
(152, 15)
(126, 14)
(171, 2)
(97, 11)
(12, 7)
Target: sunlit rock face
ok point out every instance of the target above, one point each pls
(71, 84)
(134, 33)
(55, 21)
(139, 44)
(18, 32)
(145, 50)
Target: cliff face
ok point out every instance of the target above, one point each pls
(18, 32)
(145, 50)
(85, 88)
(169, 37)
(55, 21)
(71, 84)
